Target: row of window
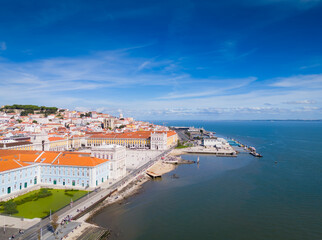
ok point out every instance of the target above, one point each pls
(21, 185)
(19, 173)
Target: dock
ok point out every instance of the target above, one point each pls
(251, 149)
(210, 150)
(153, 174)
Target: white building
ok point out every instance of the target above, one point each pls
(16, 175)
(215, 142)
(117, 158)
(24, 169)
(159, 141)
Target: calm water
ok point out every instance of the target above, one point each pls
(233, 198)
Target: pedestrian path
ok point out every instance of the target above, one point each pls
(17, 222)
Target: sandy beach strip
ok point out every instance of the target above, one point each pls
(160, 168)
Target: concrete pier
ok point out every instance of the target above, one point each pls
(207, 150)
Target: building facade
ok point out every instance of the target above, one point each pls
(117, 158)
(17, 176)
(156, 140)
(109, 123)
(24, 169)
(215, 142)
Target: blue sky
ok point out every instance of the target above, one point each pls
(250, 59)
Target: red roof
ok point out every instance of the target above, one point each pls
(51, 139)
(11, 159)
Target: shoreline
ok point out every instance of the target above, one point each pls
(129, 190)
(132, 188)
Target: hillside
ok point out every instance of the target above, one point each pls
(24, 110)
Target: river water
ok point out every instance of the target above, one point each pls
(233, 198)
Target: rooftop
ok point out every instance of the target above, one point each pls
(11, 159)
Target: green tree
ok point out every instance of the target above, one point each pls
(10, 207)
(34, 121)
(54, 222)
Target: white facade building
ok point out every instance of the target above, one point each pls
(159, 140)
(24, 169)
(117, 158)
(17, 176)
(215, 142)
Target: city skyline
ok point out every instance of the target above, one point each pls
(165, 60)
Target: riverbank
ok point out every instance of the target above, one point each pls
(119, 196)
(87, 225)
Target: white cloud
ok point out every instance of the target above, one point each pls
(218, 87)
(305, 81)
(310, 66)
(158, 90)
(301, 102)
(82, 109)
(3, 46)
(143, 65)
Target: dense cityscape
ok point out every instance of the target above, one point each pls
(161, 120)
(43, 148)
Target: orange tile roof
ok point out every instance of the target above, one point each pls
(51, 139)
(47, 157)
(171, 133)
(4, 152)
(78, 160)
(138, 134)
(10, 162)
(11, 159)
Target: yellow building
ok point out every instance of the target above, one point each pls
(138, 139)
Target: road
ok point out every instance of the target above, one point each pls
(182, 135)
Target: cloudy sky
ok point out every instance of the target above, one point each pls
(250, 59)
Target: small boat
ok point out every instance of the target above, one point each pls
(198, 159)
(255, 154)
